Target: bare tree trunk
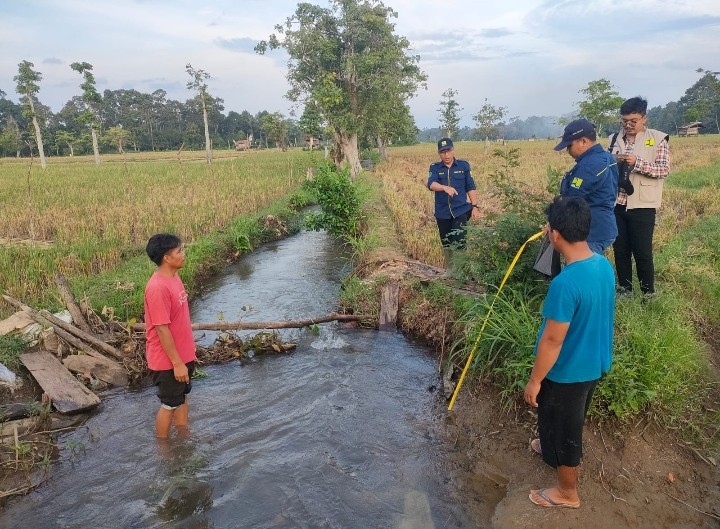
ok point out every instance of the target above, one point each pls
(382, 148)
(96, 149)
(208, 150)
(346, 152)
(38, 135)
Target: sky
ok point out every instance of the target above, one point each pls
(530, 56)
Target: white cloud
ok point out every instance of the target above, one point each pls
(531, 56)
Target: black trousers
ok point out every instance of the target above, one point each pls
(634, 240)
(453, 231)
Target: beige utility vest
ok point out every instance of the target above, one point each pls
(648, 191)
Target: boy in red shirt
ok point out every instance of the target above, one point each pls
(170, 348)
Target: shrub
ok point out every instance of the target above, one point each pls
(340, 200)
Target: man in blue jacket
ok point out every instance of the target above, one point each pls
(456, 199)
(594, 178)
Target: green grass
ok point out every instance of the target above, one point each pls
(11, 346)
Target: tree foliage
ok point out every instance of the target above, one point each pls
(449, 113)
(198, 84)
(27, 81)
(488, 120)
(601, 104)
(92, 100)
(348, 60)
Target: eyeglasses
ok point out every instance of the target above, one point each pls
(630, 121)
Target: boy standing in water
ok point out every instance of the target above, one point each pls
(170, 348)
(573, 350)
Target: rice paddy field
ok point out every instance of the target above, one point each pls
(83, 219)
(405, 175)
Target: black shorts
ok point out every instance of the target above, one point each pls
(171, 392)
(561, 416)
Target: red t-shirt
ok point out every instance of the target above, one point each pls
(166, 303)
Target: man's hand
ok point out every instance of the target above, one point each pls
(181, 373)
(475, 213)
(450, 190)
(631, 159)
(531, 392)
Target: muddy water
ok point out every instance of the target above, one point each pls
(345, 432)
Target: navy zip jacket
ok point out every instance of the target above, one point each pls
(595, 178)
(447, 207)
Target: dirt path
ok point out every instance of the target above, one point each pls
(627, 479)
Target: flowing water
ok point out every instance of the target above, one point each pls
(344, 432)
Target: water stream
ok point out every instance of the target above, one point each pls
(344, 432)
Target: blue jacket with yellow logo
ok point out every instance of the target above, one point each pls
(595, 178)
(457, 176)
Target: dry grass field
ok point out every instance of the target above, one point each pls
(82, 219)
(412, 204)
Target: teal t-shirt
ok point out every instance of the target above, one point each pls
(583, 294)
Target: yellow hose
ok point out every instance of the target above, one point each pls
(487, 316)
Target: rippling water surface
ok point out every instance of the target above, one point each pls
(341, 433)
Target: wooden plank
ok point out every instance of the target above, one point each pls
(389, 306)
(66, 393)
(102, 368)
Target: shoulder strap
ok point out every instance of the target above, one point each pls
(612, 142)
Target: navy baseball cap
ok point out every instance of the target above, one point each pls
(445, 144)
(580, 128)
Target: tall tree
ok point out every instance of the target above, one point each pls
(449, 113)
(342, 57)
(27, 81)
(488, 119)
(92, 100)
(601, 104)
(311, 122)
(277, 128)
(197, 83)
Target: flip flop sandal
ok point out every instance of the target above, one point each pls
(547, 502)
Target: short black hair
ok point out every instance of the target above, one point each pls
(160, 244)
(570, 216)
(634, 105)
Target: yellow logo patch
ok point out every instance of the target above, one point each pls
(650, 142)
(576, 182)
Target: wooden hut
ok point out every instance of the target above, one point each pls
(691, 129)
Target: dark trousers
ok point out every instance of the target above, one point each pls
(453, 231)
(634, 240)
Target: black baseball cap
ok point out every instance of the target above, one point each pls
(445, 144)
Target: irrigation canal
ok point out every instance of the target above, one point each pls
(344, 432)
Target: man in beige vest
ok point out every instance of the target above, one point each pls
(646, 153)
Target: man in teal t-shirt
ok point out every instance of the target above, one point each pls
(573, 350)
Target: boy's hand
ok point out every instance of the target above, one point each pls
(181, 373)
(531, 392)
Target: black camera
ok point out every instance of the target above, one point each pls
(624, 182)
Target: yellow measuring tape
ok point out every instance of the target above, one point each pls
(477, 341)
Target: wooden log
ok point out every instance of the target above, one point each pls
(66, 295)
(88, 338)
(389, 306)
(103, 369)
(66, 393)
(9, 429)
(18, 410)
(258, 325)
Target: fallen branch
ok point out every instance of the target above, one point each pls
(45, 318)
(711, 515)
(71, 304)
(257, 325)
(88, 338)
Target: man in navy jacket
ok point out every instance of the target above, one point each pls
(456, 199)
(594, 178)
